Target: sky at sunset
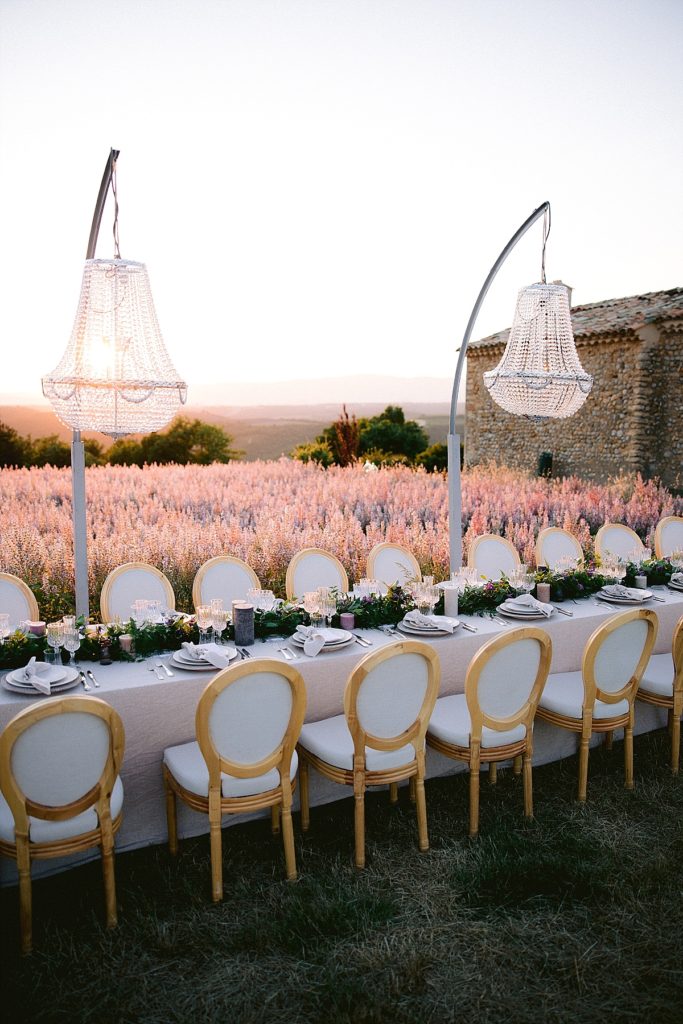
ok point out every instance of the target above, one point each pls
(319, 187)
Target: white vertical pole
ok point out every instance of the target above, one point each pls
(79, 524)
(454, 502)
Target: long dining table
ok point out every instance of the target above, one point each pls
(158, 713)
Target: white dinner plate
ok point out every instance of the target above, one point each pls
(412, 630)
(342, 638)
(647, 594)
(519, 613)
(192, 665)
(675, 586)
(68, 678)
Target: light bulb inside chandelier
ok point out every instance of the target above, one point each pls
(116, 375)
(540, 374)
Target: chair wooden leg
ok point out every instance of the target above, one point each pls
(288, 838)
(609, 736)
(528, 790)
(628, 753)
(216, 846)
(275, 819)
(493, 773)
(171, 817)
(303, 794)
(108, 878)
(517, 765)
(421, 806)
(393, 792)
(411, 789)
(675, 741)
(25, 898)
(359, 814)
(583, 770)
(474, 792)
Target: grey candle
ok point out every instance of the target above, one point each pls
(243, 621)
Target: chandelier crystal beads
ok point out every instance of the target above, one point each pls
(116, 375)
(540, 375)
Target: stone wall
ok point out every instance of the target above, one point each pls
(631, 421)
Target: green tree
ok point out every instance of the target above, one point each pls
(343, 439)
(434, 458)
(15, 450)
(390, 432)
(95, 454)
(50, 451)
(125, 451)
(316, 451)
(186, 441)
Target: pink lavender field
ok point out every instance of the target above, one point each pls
(176, 517)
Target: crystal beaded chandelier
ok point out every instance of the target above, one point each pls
(115, 375)
(540, 375)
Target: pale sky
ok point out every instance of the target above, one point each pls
(319, 187)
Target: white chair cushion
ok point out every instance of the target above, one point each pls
(563, 694)
(658, 677)
(331, 741)
(41, 831)
(451, 723)
(187, 766)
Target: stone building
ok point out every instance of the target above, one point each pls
(632, 420)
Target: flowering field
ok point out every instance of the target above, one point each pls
(176, 517)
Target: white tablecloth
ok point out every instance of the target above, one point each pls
(159, 713)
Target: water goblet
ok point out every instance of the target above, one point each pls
(312, 606)
(219, 619)
(204, 622)
(5, 628)
(72, 641)
(55, 639)
(267, 600)
(69, 622)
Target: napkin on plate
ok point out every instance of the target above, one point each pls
(313, 640)
(626, 593)
(527, 603)
(677, 579)
(416, 618)
(33, 674)
(207, 652)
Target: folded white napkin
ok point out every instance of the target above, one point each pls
(526, 602)
(207, 652)
(416, 618)
(677, 579)
(629, 593)
(314, 641)
(34, 674)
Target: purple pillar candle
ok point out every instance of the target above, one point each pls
(347, 620)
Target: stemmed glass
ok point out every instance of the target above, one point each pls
(55, 639)
(204, 622)
(219, 618)
(615, 567)
(312, 606)
(5, 628)
(328, 604)
(72, 641)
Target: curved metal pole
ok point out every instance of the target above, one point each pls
(77, 447)
(454, 485)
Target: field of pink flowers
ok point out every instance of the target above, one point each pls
(176, 517)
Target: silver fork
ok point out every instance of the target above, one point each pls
(285, 651)
(84, 681)
(161, 664)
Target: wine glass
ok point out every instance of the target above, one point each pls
(328, 604)
(204, 622)
(55, 639)
(69, 622)
(312, 606)
(72, 641)
(5, 628)
(267, 600)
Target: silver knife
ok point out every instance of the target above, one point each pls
(361, 640)
(91, 677)
(84, 681)
(244, 652)
(470, 629)
(563, 611)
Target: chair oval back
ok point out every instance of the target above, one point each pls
(17, 600)
(506, 677)
(493, 556)
(391, 564)
(617, 539)
(668, 536)
(131, 582)
(554, 544)
(249, 717)
(60, 756)
(225, 577)
(312, 568)
(677, 653)
(391, 694)
(616, 654)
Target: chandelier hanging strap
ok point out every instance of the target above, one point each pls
(99, 206)
(546, 231)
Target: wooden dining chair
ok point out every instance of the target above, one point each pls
(392, 564)
(244, 759)
(493, 556)
(223, 577)
(131, 582)
(662, 685)
(668, 536)
(312, 568)
(617, 539)
(554, 545)
(60, 790)
(492, 720)
(601, 696)
(17, 600)
(380, 738)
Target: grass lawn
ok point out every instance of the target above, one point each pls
(575, 916)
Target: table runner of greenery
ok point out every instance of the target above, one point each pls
(369, 613)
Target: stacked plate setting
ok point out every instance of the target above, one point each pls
(334, 638)
(181, 659)
(512, 611)
(60, 678)
(420, 629)
(632, 596)
(676, 585)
